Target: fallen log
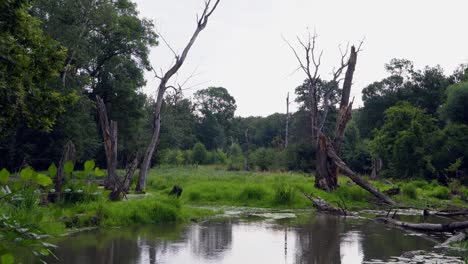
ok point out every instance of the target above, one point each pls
(323, 206)
(355, 178)
(454, 239)
(426, 227)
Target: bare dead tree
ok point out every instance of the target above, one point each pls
(310, 65)
(202, 21)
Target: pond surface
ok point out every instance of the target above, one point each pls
(253, 237)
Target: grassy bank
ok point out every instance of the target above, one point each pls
(211, 185)
(54, 219)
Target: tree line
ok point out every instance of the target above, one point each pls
(62, 54)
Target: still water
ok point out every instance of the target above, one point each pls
(253, 238)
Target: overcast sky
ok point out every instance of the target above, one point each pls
(242, 50)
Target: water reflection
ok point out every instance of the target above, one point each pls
(317, 239)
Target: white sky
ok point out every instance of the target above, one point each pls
(241, 49)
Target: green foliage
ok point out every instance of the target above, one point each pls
(252, 193)
(89, 166)
(30, 59)
(410, 190)
(284, 194)
(456, 104)
(236, 159)
(440, 192)
(98, 172)
(52, 170)
(402, 139)
(68, 167)
(264, 158)
(300, 157)
(4, 175)
(199, 153)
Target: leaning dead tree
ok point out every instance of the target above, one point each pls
(202, 21)
(328, 151)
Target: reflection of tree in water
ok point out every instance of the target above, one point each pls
(212, 240)
(382, 242)
(319, 241)
(130, 245)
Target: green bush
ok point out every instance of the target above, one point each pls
(410, 190)
(440, 192)
(236, 160)
(199, 154)
(263, 158)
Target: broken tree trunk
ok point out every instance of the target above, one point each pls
(59, 180)
(248, 163)
(131, 168)
(327, 171)
(323, 206)
(286, 132)
(377, 165)
(109, 134)
(424, 227)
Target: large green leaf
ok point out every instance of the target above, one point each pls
(89, 166)
(7, 259)
(52, 170)
(68, 167)
(98, 172)
(4, 175)
(42, 179)
(26, 174)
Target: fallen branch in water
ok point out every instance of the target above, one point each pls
(323, 206)
(454, 239)
(425, 227)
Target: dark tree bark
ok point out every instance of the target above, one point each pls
(109, 134)
(327, 173)
(377, 165)
(248, 163)
(179, 61)
(59, 180)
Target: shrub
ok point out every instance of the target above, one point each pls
(410, 190)
(199, 153)
(440, 192)
(263, 158)
(236, 160)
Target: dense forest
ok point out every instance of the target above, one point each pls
(73, 110)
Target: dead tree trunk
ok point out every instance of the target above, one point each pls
(248, 163)
(131, 168)
(109, 134)
(377, 165)
(425, 227)
(323, 206)
(327, 172)
(59, 180)
(179, 61)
